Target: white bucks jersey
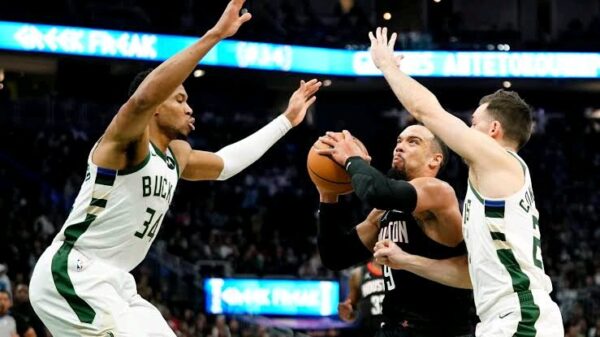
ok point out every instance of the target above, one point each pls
(503, 241)
(117, 214)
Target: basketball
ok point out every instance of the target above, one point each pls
(325, 173)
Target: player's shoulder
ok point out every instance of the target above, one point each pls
(433, 185)
(180, 147)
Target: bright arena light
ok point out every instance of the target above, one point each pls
(387, 16)
(506, 84)
(199, 73)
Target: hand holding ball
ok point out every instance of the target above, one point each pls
(325, 172)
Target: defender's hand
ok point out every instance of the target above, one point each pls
(230, 20)
(382, 50)
(389, 254)
(301, 100)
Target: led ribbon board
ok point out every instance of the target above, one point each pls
(27, 37)
(271, 297)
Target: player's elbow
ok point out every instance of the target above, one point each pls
(331, 257)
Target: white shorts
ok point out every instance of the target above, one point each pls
(531, 314)
(78, 296)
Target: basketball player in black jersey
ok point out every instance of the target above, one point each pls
(421, 216)
(364, 304)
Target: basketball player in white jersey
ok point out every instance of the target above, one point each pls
(81, 285)
(500, 219)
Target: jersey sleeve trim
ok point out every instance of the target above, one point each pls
(135, 168)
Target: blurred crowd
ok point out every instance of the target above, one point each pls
(263, 221)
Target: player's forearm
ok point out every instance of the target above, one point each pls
(453, 272)
(239, 155)
(379, 191)
(339, 247)
(161, 82)
(418, 100)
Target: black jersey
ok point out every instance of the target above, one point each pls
(372, 292)
(413, 301)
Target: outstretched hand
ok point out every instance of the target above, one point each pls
(231, 20)
(389, 254)
(382, 50)
(343, 146)
(301, 100)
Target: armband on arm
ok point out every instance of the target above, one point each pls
(379, 191)
(239, 155)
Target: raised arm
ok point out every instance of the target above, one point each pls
(129, 126)
(453, 272)
(232, 159)
(475, 147)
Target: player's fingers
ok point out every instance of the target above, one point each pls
(392, 41)
(245, 18)
(312, 88)
(384, 36)
(347, 134)
(334, 135)
(311, 101)
(325, 152)
(378, 34)
(327, 140)
(372, 38)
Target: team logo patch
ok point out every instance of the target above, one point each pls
(170, 163)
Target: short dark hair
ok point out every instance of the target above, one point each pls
(443, 148)
(512, 112)
(138, 79)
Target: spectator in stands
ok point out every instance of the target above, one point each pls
(22, 307)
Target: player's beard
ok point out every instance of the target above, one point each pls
(396, 174)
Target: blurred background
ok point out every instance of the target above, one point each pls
(261, 224)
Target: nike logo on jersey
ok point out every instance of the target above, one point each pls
(502, 316)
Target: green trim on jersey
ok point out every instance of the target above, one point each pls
(60, 260)
(498, 236)
(171, 162)
(60, 273)
(135, 168)
(492, 211)
(479, 197)
(530, 312)
(98, 202)
(519, 160)
(159, 152)
(175, 160)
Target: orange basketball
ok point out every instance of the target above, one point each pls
(326, 173)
